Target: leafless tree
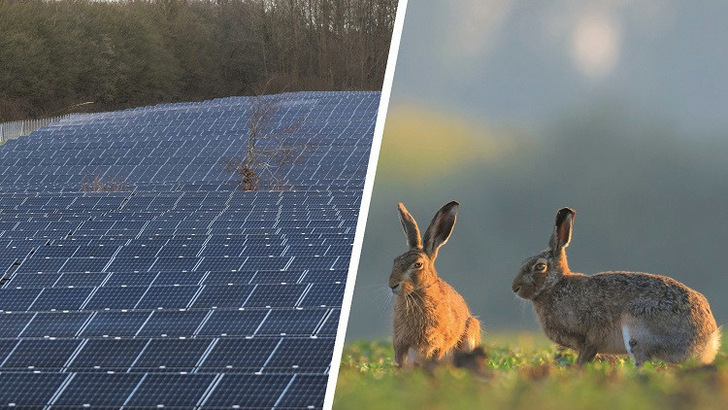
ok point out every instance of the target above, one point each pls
(269, 146)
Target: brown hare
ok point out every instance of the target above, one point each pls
(646, 316)
(431, 320)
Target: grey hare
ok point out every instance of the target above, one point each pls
(644, 315)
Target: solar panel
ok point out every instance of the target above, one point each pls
(171, 287)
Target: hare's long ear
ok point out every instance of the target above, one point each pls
(440, 228)
(561, 236)
(409, 225)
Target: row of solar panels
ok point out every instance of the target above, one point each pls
(178, 220)
(337, 107)
(158, 219)
(167, 355)
(219, 228)
(183, 265)
(109, 296)
(243, 198)
(339, 152)
(305, 242)
(331, 98)
(208, 278)
(170, 323)
(96, 136)
(89, 178)
(155, 248)
(307, 236)
(175, 207)
(82, 259)
(74, 183)
(159, 390)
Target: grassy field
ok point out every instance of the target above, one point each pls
(526, 371)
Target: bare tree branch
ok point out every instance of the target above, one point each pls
(268, 147)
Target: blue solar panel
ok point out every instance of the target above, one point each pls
(29, 389)
(40, 354)
(108, 354)
(17, 299)
(179, 289)
(226, 296)
(172, 355)
(171, 389)
(233, 322)
(240, 355)
(115, 324)
(98, 390)
(294, 354)
(122, 297)
(64, 324)
(262, 391)
(173, 323)
(167, 297)
(292, 322)
(12, 324)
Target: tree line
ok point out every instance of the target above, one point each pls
(57, 55)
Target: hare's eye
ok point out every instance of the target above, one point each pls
(540, 267)
(418, 265)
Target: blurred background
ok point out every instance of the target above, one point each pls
(618, 109)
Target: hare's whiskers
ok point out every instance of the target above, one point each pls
(383, 298)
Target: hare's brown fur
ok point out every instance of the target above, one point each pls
(646, 316)
(431, 320)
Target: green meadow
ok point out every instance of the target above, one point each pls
(526, 371)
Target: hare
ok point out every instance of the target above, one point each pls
(431, 320)
(644, 315)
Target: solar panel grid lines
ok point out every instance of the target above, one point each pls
(178, 290)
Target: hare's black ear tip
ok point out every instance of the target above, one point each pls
(451, 207)
(563, 213)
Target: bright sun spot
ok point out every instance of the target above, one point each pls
(595, 45)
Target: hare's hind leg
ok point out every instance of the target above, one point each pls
(471, 336)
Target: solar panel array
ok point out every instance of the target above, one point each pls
(179, 290)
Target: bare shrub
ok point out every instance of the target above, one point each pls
(97, 183)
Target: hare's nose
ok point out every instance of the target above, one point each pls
(516, 288)
(395, 288)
